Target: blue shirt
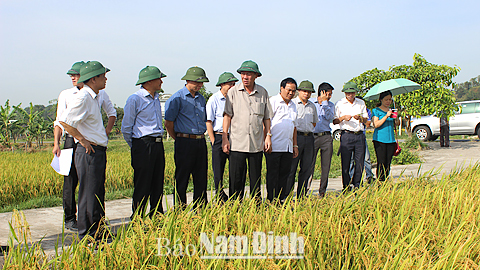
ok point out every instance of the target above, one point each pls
(186, 112)
(326, 114)
(384, 133)
(142, 116)
(215, 108)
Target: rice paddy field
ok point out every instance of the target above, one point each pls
(417, 223)
(28, 181)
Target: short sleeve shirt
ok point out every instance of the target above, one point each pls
(344, 107)
(84, 114)
(384, 133)
(248, 111)
(186, 112)
(306, 115)
(215, 108)
(283, 124)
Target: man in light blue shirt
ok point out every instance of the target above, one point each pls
(185, 119)
(215, 107)
(323, 135)
(143, 131)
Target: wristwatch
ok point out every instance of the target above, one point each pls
(269, 134)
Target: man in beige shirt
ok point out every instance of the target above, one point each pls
(247, 116)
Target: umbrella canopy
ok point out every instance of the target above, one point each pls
(396, 86)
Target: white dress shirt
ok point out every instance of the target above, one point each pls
(306, 115)
(215, 107)
(283, 124)
(84, 114)
(66, 96)
(344, 107)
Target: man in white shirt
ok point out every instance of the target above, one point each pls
(71, 180)
(83, 120)
(284, 140)
(305, 123)
(215, 108)
(351, 114)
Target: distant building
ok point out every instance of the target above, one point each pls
(163, 98)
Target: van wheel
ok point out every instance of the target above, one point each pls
(478, 132)
(337, 134)
(423, 133)
(433, 138)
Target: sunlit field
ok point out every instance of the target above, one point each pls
(418, 223)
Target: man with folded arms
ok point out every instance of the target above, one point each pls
(305, 123)
(185, 119)
(83, 120)
(142, 129)
(351, 114)
(215, 107)
(247, 116)
(284, 141)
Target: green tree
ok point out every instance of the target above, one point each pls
(436, 96)
(7, 121)
(30, 120)
(206, 94)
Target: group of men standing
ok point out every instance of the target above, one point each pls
(243, 124)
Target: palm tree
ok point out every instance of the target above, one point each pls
(7, 114)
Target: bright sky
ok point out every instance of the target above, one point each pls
(330, 41)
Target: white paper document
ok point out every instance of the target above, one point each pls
(62, 163)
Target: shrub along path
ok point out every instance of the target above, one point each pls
(46, 223)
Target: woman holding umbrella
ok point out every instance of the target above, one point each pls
(384, 121)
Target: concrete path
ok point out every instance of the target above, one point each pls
(46, 223)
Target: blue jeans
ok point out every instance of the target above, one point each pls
(368, 164)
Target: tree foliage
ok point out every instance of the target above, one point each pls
(469, 90)
(436, 96)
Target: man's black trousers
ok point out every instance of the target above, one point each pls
(279, 165)
(238, 163)
(219, 159)
(306, 155)
(190, 159)
(148, 162)
(70, 183)
(352, 143)
(91, 190)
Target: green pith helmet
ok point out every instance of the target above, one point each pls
(249, 65)
(90, 70)
(196, 74)
(149, 73)
(306, 86)
(226, 77)
(350, 87)
(75, 70)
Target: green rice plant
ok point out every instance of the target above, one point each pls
(418, 223)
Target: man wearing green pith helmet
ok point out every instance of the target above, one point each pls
(185, 119)
(247, 112)
(142, 129)
(83, 120)
(71, 180)
(215, 108)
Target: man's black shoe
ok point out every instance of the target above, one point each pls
(71, 225)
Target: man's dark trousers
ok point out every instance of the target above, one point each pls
(445, 136)
(91, 190)
(279, 165)
(306, 154)
(352, 143)
(148, 162)
(238, 163)
(219, 159)
(70, 183)
(190, 158)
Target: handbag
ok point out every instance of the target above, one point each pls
(398, 149)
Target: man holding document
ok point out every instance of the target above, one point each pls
(83, 120)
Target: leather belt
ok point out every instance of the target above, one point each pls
(354, 132)
(151, 138)
(191, 136)
(219, 133)
(304, 133)
(322, 133)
